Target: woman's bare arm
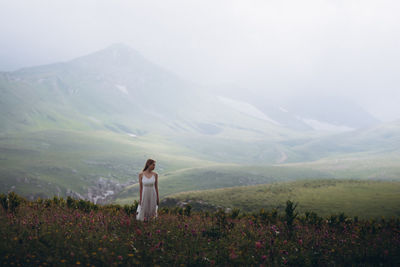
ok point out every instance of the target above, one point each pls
(140, 188)
(156, 185)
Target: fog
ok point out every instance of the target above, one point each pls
(281, 49)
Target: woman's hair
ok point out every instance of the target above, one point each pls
(148, 163)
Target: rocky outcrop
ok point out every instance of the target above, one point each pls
(100, 192)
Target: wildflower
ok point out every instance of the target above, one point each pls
(301, 241)
(283, 251)
(138, 231)
(233, 255)
(159, 244)
(120, 257)
(258, 244)
(264, 257)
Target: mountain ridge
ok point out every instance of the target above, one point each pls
(90, 119)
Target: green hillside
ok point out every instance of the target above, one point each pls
(359, 166)
(43, 163)
(219, 176)
(383, 138)
(353, 197)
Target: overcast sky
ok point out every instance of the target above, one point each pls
(281, 48)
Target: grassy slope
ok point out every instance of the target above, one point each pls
(85, 157)
(353, 197)
(364, 166)
(219, 176)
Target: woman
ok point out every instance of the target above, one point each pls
(149, 201)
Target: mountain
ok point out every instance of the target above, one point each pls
(119, 90)
(306, 111)
(85, 127)
(105, 89)
(380, 139)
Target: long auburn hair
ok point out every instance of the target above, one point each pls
(148, 163)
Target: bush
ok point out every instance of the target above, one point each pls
(4, 201)
(290, 214)
(313, 218)
(13, 201)
(187, 210)
(234, 213)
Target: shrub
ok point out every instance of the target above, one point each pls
(187, 210)
(234, 213)
(290, 214)
(13, 201)
(4, 201)
(313, 218)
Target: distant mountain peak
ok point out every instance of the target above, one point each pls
(115, 54)
(120, 49)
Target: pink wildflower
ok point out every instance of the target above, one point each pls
(233, 255)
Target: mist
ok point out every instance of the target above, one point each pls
(275, 49)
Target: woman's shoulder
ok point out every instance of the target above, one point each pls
(155, 174)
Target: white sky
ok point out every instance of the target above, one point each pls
(281, 48)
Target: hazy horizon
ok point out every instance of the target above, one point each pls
(277, 49)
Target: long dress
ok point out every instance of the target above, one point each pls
(148, 209)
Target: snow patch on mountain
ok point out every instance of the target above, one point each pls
(122, 88)
(283, 109)
(324, 126)
(246, 108)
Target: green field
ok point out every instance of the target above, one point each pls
(51, 161)
(353, 197)
(361, 166)
(220, 176)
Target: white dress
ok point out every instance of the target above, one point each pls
(149, 207)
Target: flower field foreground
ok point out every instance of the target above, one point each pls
(58, 232)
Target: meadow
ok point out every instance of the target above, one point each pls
(52, 161)
(365, 199)
(209, 176)
(69, 232)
